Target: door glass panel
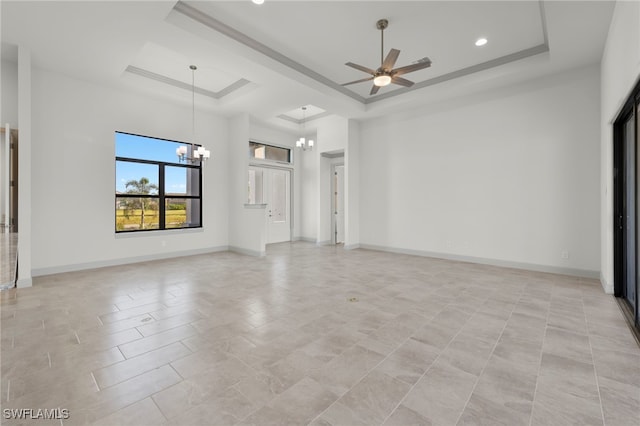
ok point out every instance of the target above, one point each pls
(279, 197)
(630, 211)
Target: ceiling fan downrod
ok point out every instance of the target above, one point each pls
(381, 25)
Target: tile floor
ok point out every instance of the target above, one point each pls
(224, 339)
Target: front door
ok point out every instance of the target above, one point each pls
(272, 187)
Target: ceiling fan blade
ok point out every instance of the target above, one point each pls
(360, 67)
(412, 68)
(402, 81)
(374, 90)
(358, 81)
(390, 60)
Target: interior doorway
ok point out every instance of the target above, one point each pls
(272, 186)
(626, 173)
(9, 180)
(337, 203)
(8, 207)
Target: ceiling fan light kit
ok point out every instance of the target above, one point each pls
(386, 74)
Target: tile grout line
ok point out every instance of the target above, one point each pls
(595, 370)
(535, 389)
(156, 404)
(339, 396)
(431, 365)
(145, 371)
(95, 382)
(373, 368)
(489, 357)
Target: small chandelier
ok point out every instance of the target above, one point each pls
(199, 154)
(302, 142)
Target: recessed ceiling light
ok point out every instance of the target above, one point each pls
(481, 41)
(258, 1)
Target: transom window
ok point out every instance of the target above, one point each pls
(260, 151)
(153, 190)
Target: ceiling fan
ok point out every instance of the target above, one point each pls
(386, 74)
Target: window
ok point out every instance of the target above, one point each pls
(261, 151)
(153, 189)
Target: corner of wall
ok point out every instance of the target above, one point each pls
(606, 286)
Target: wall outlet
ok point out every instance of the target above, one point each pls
(564, 254)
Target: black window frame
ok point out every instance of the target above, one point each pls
(162, 195)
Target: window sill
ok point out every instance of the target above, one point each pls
(158, 232)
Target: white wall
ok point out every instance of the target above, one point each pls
(25, 177)
(352, 187)
(508, 176)
(73, 174)
(9, 90)
(620, 68)
(309, 181)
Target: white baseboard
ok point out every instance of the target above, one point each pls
(123, 261)
(607, 287)
(351, 246)
(307, 239)
(583, 273)
(324, 243)
(248, 252)
(26, 282)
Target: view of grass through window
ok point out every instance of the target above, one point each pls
(153, 190)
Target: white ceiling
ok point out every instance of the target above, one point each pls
(269, 60)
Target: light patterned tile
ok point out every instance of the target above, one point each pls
(375, 397)
(268, 334)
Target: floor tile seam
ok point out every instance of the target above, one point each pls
(258, 406)
(432, 364)
(146, 371)
(535, 389)
(495, 345)
(364, 376)
(127, 406)
(158, 347)
(595, 369)
(164, 330)
(338, 396)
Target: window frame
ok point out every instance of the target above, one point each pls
(269, 161)
(162, 194)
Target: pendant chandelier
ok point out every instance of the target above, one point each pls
(199, 154)
(302, 142)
